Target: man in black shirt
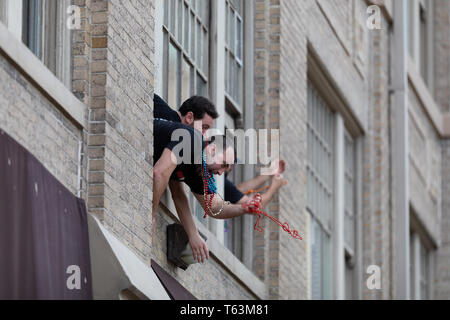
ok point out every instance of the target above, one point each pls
(200, 110)
(172, 167)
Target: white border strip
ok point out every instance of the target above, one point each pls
(37, 71)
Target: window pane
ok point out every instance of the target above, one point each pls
(3, 12)
(227, 25)
(349, 192)
(237, 95)
(185, 81)
(320, 157)
(166, 12)
(232, 28)
(326, 260)
(198, 58)
(237, 4)
(227, 72)
(173, 76)
(192, 32)
(239, 39)
(231, 77)
(201, 86)
(172, 15)
(205, 57)
(320, 190)
(32, 22)
(186, 41)
(316, 263)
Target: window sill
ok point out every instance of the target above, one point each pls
(220, 252)
(34, 69)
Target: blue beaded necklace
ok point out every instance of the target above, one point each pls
(208, 177)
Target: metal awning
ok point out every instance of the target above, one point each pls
(116, 268)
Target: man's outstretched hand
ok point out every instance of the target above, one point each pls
(253, 203)
(199, 249)
(278, 181)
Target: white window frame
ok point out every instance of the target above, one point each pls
(217, 94)
(417, 248)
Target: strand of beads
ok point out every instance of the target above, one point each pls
(255, 208)
(209, 184)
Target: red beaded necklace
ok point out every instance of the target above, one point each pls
(255, 208)
(207, 176)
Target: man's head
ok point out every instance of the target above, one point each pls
(198, 112)
(219, 154)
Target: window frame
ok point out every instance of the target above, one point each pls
(177, 39)
(55, 52)
(421, 241)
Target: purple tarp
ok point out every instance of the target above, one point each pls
(44, 245)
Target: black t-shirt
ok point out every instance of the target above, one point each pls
(163, 111)
(232, 193)
(189, 169)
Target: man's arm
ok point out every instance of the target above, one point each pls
(277, 182)
(253, 184)
(277, 167)
(229, 211)
(198, 245)
(161, 174)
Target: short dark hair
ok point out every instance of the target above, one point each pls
(199, 106)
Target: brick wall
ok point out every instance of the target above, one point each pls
(127, 117)
(27, 115)
(291, 94)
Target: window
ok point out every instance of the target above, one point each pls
(233, 227)
(199, 51)
(331, 198)
(420, 270)
(320, 185)
(349, 215)
(234, 52)
(185, 50)
(3, 12)
(40, 25)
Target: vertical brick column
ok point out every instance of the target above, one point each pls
(96, 41)
(113, 74)
(377, 171)
(292, 92)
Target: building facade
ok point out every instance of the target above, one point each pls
(359, 91)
